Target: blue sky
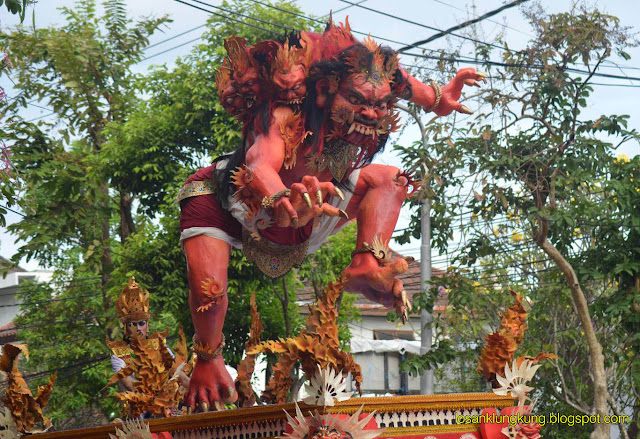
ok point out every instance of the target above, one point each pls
(440, 14)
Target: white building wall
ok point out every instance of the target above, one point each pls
(9, 288)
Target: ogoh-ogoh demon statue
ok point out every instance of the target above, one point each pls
(315, 109)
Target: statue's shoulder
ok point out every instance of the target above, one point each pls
(120, 348)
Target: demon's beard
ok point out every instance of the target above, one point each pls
(354, 129)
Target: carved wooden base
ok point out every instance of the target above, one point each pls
(414, 416)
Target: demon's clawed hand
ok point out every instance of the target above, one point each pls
(306, 202)
(453, 90)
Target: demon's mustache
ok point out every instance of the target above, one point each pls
(346, 117)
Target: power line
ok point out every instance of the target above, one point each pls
(531, 81)
(175, 36)
(172, 48)
(228, 18)
(463, 25)
(521, 66)
(422, 25)
(476, 15)
(40, 302)
(17, 328)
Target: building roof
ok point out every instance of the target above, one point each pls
(7, 263)
(410, 279)
(8, 333)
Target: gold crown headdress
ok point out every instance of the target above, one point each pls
(238, 57)
(369, 59)
(133, 303)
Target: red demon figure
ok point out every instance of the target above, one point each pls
(301, 173)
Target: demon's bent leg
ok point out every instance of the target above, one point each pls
(376, 204)
(207, 263)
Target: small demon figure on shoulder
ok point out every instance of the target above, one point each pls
(316, 110)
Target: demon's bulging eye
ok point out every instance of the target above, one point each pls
(296, 87)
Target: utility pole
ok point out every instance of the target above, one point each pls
(426, 335)
(426, 379)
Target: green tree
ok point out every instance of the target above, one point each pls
(543, 180)
(82, 71)
(100, 183)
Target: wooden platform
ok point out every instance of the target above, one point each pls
(414, 416)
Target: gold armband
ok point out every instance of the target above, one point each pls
(205, 352)
(269, 202)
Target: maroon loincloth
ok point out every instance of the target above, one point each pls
(206, 211)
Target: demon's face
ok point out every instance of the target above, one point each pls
(290, 86)
(248, 85)
(361, 109)
(232, 102)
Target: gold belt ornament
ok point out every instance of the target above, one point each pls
(196, 188)
(272, 259)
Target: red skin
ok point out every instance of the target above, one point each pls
(290, 85)
(375, 205)
(248, 85)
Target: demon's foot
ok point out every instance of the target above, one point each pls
(379, 283)
(211, 386)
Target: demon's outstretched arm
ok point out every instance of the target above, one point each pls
(426, 95)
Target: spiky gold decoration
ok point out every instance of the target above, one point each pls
(501, 346)
(246, 395)
(330, 426)
(326, 387)
(156, 385)
(132, 429)
(287, 58)
(241, 177)
(133, 303)
(9, 428)
(238, 56)
(369, 60)
(293, 134)
(24, 408)
(259, 219)
(316, 345)
(223, 77)
(212, 290)
(380, 249)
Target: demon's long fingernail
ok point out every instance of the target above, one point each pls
(307, 199)
(343, 214)
(219, 406)
(465, 110)
(339, 193)
(295, 222)
(482, 75)
(204, 407)
(231, 391)
(319, 197)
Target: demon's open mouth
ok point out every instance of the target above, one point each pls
(296, 101)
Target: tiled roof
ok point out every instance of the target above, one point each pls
(410, 279)
(8, 333)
